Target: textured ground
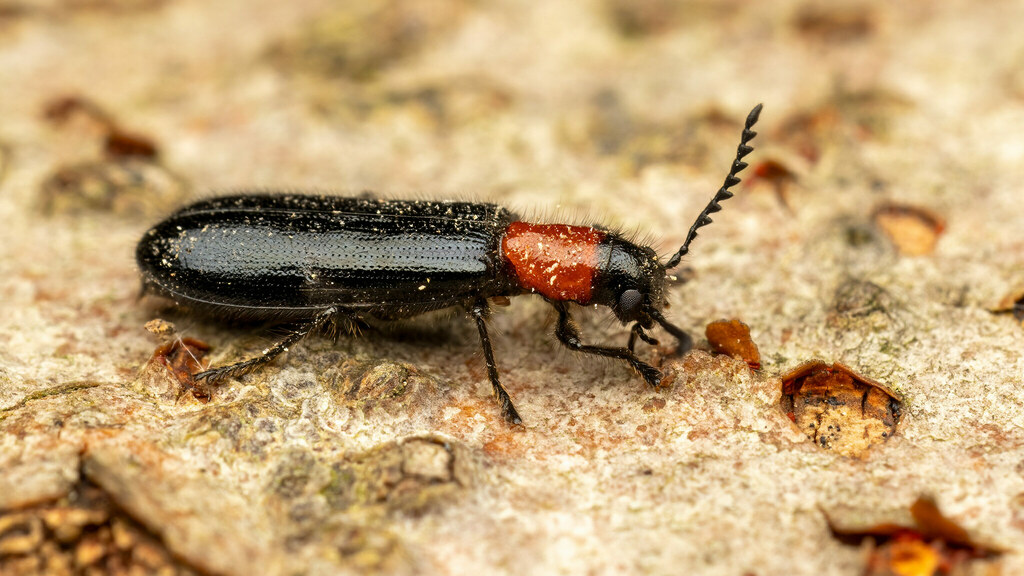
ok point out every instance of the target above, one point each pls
(885, 225)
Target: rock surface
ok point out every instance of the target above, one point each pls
(386, 453)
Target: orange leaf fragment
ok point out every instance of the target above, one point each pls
(913, 230)
(732, 337)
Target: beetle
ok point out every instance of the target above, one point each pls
(325, 261)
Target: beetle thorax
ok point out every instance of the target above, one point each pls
(557, 261)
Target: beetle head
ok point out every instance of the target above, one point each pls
(630, 278)
(631, 281)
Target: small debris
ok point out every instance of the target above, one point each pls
(854, 298)
(862, 306)
(838, 409)
(636, 19)
(128, 180)
(913, 230)
(183, 358)
(160, 328)
(933, 545)
(831, 24)
(1012, 303)
(82, 533)
(118, 143)
(387, 387)
(732, 337)
(777, 175)
(128, 187)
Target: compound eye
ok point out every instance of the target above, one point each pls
(629, 301)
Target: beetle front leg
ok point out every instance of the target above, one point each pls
(638, 332)
(569, 335)
(245, 366)
(479, 310)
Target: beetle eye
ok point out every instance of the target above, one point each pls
(629, 301)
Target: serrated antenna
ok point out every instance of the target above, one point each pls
(723, 193)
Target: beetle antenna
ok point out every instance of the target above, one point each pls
(723, 193)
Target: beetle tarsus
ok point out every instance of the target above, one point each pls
(245, 366)
(479, 310)
(569, 335)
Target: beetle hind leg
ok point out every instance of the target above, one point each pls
(243, 367)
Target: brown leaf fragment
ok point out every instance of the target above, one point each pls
(935, 544)
(183, 358)
(1012, 303)
(63, 109)
(933, 524)
(913, 230)
(835, 24)
(732, 337)
(778, 176)
(120, 144)
(839, 409)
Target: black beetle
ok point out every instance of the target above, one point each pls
(326, 260)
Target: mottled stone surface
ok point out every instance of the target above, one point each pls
(386, 453)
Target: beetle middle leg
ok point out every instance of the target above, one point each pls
(569, 335)
(237, 369)
(479, 311)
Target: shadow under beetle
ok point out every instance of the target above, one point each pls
(326, 260)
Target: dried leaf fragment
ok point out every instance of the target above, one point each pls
(128, 180)
(835, 24)
(1012, 303)
(777, 175)
(732, 337)
(913, 230)
(183, 358)
(839, 409)
(118, 143)
(935, 544)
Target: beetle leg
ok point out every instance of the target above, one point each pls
(479, 310)
(245, 366)
(569, 335)
(345, 322)
(684, 339)
(638, 332)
